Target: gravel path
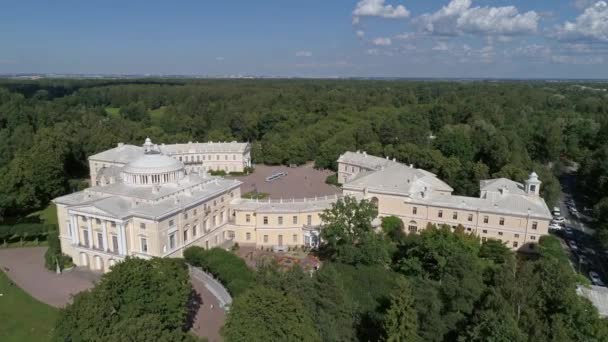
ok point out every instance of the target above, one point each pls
(25, 267)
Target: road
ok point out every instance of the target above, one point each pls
(582, 234)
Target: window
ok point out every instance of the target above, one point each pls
(265, 238)
(248, 236)
(171, 223)
(247, 218)
(499, 233)
(412, 228)
(185, 235)
(470, 218)
(115, 243)
(222, 199)
(532, 237)
(295, 238)
(100, 240)
(309, 220)
(225, 157)
(414, 210)
(144, 245)
(84, 219)
(533, 188)
(280, 219)
(265, 219)
(295, 220)
(515, 243)
(501, 221)
(185, 215)
(195, 211)
(172, 241)
(98, 221)
(142, 226)
(516, 235)
(217, 157)
(534, 225)
(455, 215)
(234, 157)
(485, 231)
(440, 213)
(486, 219)
(214, 220)
(214, 202)
(194, 229)
(86, 238)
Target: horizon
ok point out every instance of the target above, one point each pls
(436, 39)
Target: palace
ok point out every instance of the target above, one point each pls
(157, 200)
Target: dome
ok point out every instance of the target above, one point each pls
(153, 164)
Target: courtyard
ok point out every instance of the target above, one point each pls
(301, 181)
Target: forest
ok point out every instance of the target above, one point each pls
(462, 131)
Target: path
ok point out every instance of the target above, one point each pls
(210, 316)
(25, 267)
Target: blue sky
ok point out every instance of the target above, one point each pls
(309, 38)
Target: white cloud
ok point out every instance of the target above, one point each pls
(378, 52)
(440, 46)
(458, 17)
(219, 58)
(382, 41)
(405, 36)
(581, 60)
(360, 33)
(304, 54)
(377, 8)
(591, 25)
(531, 50)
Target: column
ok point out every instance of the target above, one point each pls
(75, 229)
(90, 231)
(105, 236)
(119, 236)
(123, 238)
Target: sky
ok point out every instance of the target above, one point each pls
(308, 38)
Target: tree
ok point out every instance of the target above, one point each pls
(263, 314)
(393, 227)
(140, 299)
(348, 235)
(401, 321)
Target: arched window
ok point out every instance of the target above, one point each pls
(412, 226)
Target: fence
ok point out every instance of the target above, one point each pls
(215, 287)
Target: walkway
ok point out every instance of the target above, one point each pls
(25, 267)
(210, 316)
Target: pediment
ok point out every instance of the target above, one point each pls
(91, 209)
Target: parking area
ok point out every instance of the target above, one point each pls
(299, 182)
(586, 255)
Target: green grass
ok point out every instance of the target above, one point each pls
(23, 318)
(113, 111)
(48, 215)
(255, 195)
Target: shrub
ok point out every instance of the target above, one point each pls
(228, 268)
(54, 255)
(217, 172)
(332, 180)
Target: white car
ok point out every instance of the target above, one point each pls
(573, 245)
(558, 219)
(595, 279)
(555, 226)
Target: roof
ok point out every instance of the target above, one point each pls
(123, 200)
(398, 178)
(288, 206)
(190, 147)
(153, 164)
(120, 154)
(501, 184)
(364, 160)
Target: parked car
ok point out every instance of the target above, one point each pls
(595, 278)
(569, 231)
(559, 219)
(555, 226)
(556, 211)
(573, 245)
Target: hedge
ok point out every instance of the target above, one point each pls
(25, 232)
(226, 267)
(54, 255)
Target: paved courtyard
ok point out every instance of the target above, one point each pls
(25, 267)
(301, 181)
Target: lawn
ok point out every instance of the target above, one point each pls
(22, 318)
(255, 195)
(157, 114)
(113, 111)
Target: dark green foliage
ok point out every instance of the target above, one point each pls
(393, 227)
(263, 314)
(228, 268)
(53, 255)
(401, 321)
(332, 179)
(25, 232)
(140, 300)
